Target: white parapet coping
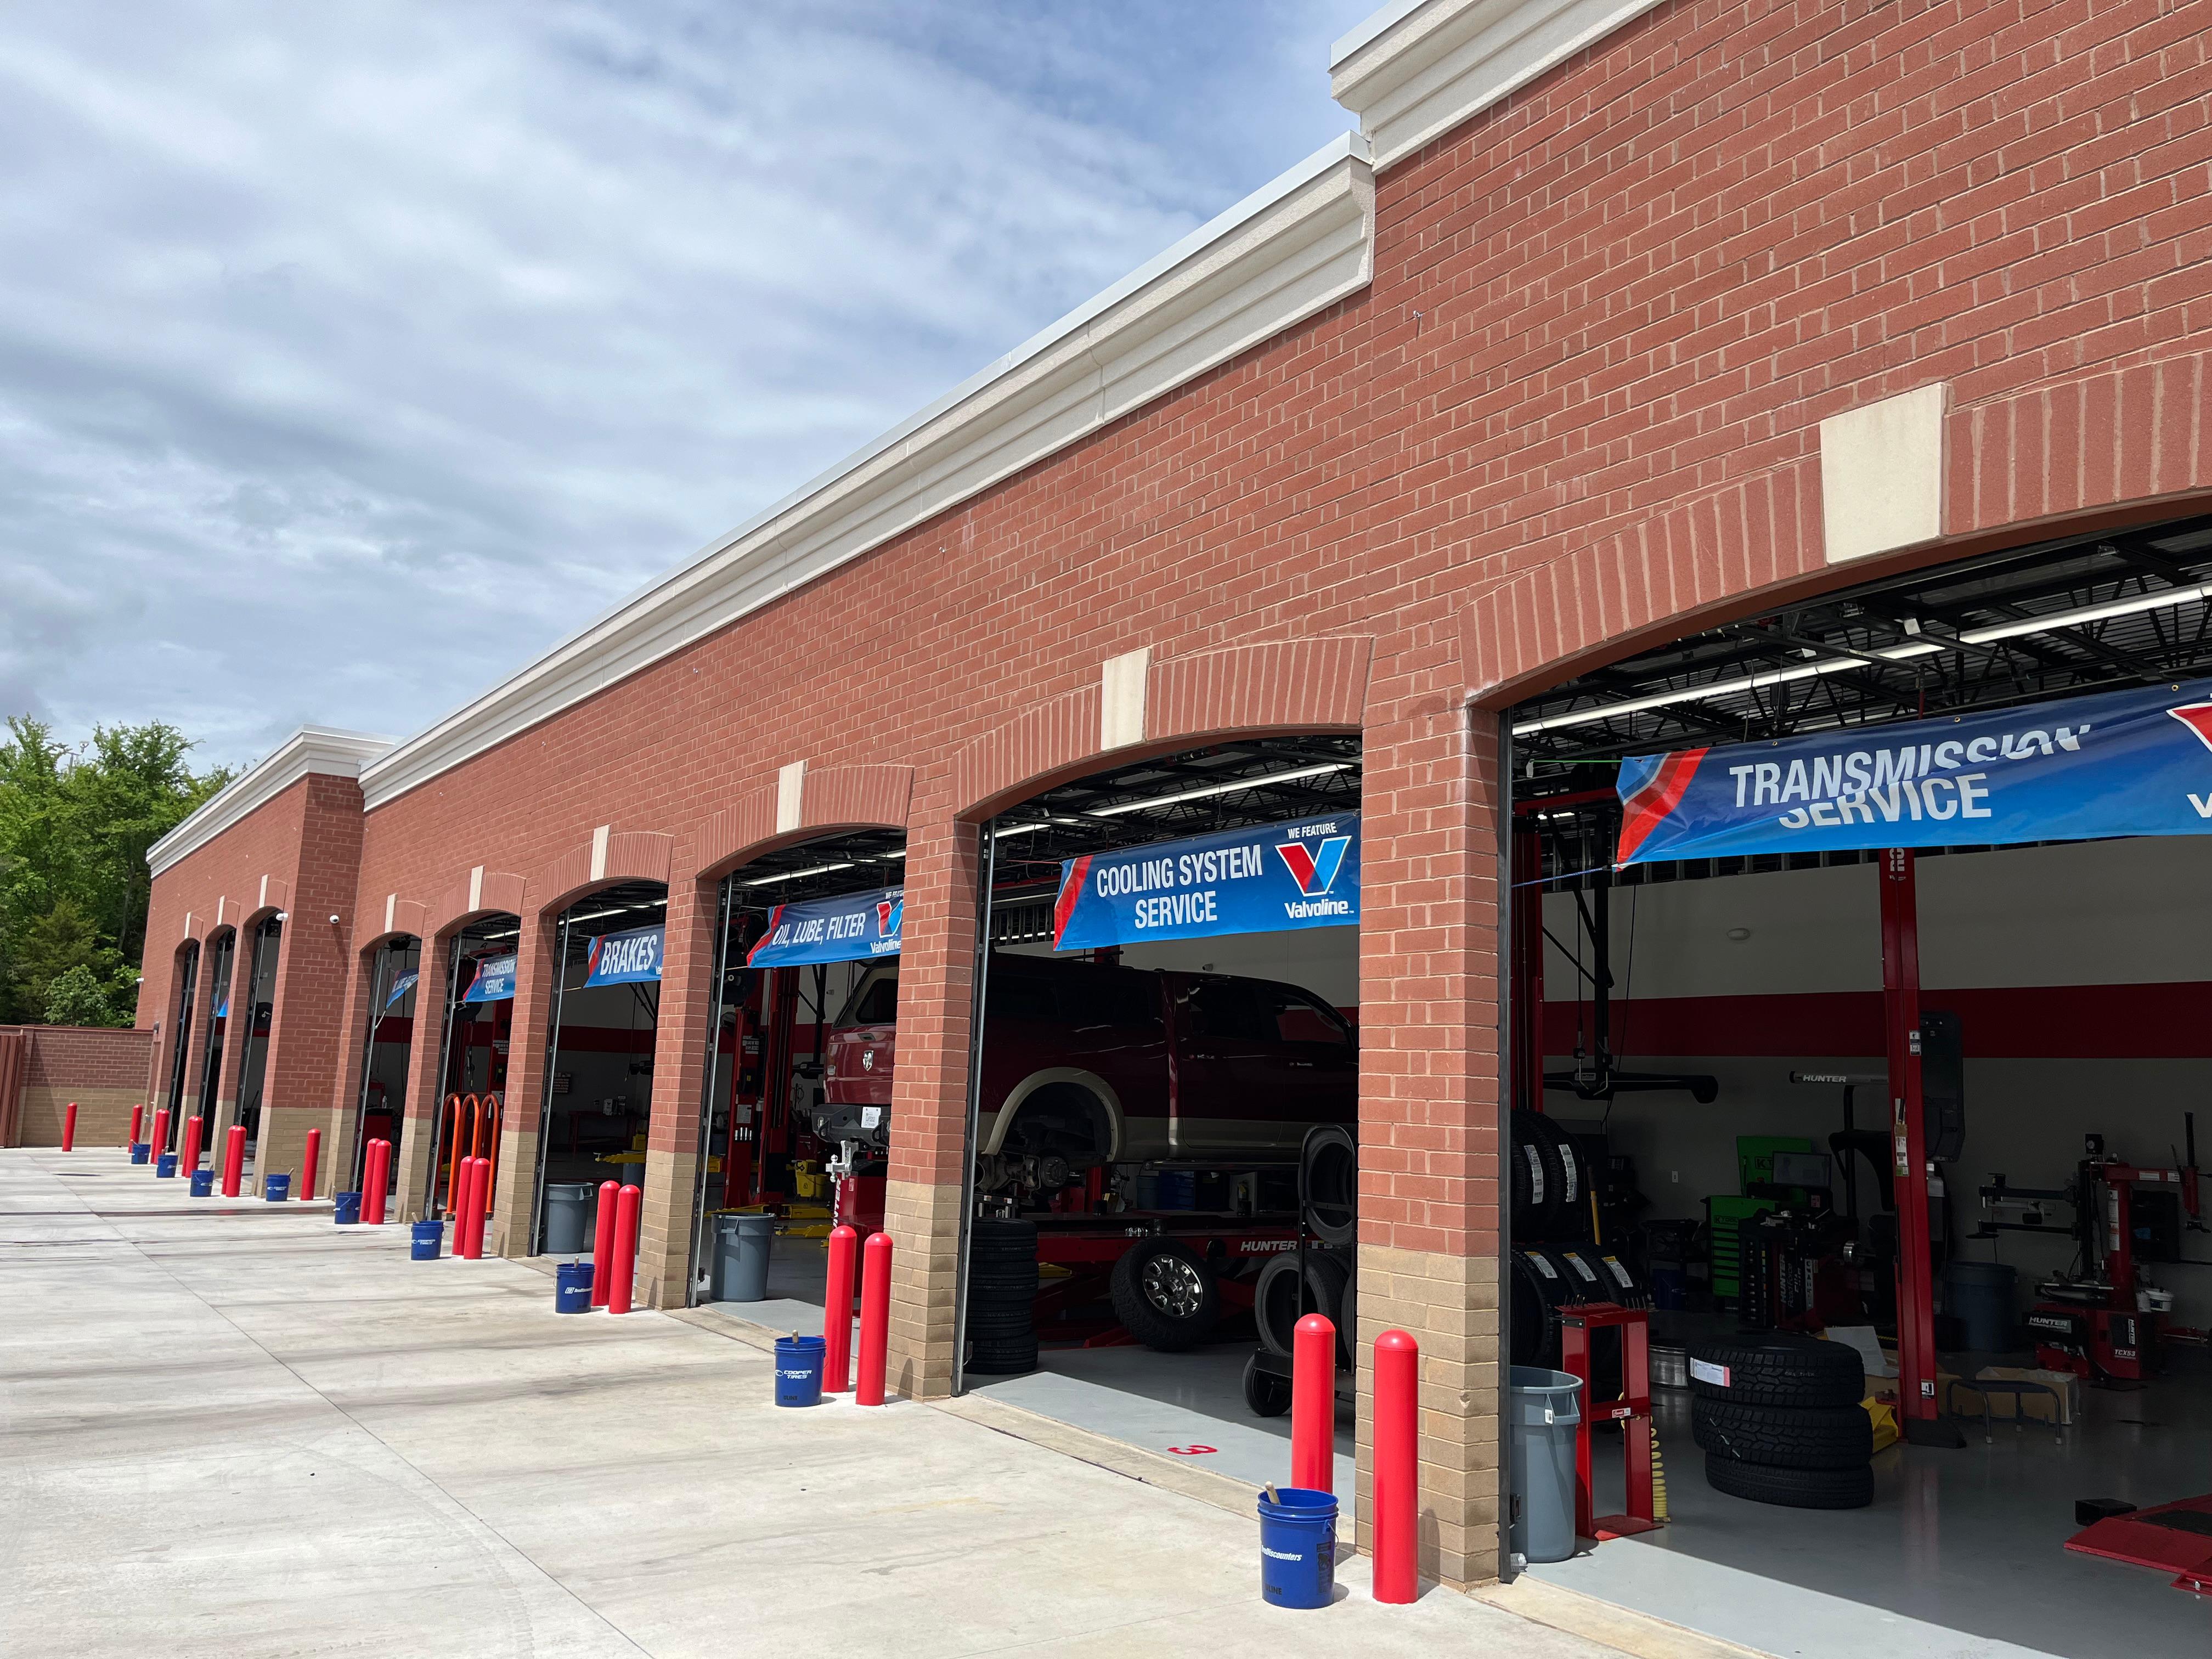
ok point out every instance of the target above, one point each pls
(311, 749)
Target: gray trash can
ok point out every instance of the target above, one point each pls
(742, 1243)
(1545, 1408)
(569, 1217)
(1981, 1297)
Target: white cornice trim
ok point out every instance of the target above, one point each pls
(310, 749)
(1419, 68)
(1295, 246)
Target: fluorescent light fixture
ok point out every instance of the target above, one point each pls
(1204, 790)
(619, 910)
(509, 934)
(793, 875)
(2051, 622)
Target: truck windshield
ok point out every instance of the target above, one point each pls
(874, 1000)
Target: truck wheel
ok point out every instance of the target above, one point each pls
(1328, 1184)
(1266, 1394)
(1784, 1437)
(1165, 1297)
(1276, 1297)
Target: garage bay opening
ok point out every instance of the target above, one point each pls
(180, 1042)
(803, 1033)
(382, 1101)
(1857, 961)
(598, 1065)
(475, 1035)
(1167, 1053)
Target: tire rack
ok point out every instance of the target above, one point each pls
(1278, 1365)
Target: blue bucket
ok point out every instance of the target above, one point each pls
(427, 1239)
(140, 1151)
(572, 1287)
(203, 1183)
(1297, 1547)
(345, 1208)
(799, 1370)
(276, 1188)
(164, 1167)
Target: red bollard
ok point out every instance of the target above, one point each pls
(467, 1234)
(310, 1162)
(188, 1164)
(603, 1244)
(875, 1318)
(138, 1122)
(1397, 1469)
(375, 1178)
(161, 1135)
(69, 1128)
(234, 1159)
(1313, 1404)
(623, 1269)
(837, 1313)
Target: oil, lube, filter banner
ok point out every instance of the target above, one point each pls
(628, 959)
(846, 927)
(2136, 762)
(1263, 880)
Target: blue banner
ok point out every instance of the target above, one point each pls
(1264, 880)
(494, 980)
(400, 988)
(630, 958)
(850, 928)
(2136, 762)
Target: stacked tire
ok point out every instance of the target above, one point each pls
(1002, 1285)
(1330, 1289)
(1780, 1421)
(1547, 1183)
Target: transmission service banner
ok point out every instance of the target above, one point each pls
(494, 980)
(630, 958)
(400, 988)
(2136, 762)
(1263, 880)
(847, 927)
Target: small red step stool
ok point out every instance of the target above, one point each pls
(1632, 1411)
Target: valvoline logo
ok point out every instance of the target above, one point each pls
(2197, 717)
(890, 916)
(1314, 866)
(591, 960)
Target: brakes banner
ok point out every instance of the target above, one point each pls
(1266, 880)
(630, 958)
(494, 980)
(2137, 763)
(848, 927)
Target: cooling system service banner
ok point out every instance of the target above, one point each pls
(631, 959)
(494, 980)
(2122, 763)
(1303, 874)
(850, 928)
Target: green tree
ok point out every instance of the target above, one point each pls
(75, 825)
(77, 997)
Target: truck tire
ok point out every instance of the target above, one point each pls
(1569, 1209)
(1794, 1489)
(1265, 1393)
(1165, 1296)
(1538, 1179)
(1777, 1370)
(1275, 1296)
(1328, 1184)
(1009, 1357)
(1784, 1437)
(1536, 1294)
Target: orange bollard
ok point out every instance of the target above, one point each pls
(161, 1134)
(234, 1159)
(310, 1161)
(1397, 1472)
(837, 1313)
(624, 1266)
(1313, 1404)
(188, 1164)
(875, 1318)
(603, 1243)
(138, 1122)
(69, 1128)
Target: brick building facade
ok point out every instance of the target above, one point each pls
(102, 1070)
(1614, 321)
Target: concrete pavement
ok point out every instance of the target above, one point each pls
(235, 1429)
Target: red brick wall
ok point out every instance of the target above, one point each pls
(1579, 406)
(103, 1070)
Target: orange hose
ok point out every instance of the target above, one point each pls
(493, 1105)
(450, 1135)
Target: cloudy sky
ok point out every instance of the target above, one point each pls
(350, 355)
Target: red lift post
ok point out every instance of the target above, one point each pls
(1917, 1407)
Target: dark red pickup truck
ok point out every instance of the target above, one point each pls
(1086, 1065)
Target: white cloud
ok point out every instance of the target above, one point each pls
(349, 355)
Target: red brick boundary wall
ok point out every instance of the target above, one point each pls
(104, 1070)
